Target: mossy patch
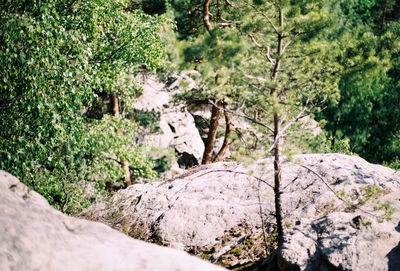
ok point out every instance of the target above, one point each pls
(326, 208)
(249, 243)
(245, 247)
(371, 192)
(388, 210)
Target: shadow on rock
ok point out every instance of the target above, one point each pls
(394, 258)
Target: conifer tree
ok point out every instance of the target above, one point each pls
(291, 73)
(214, 52)
(283, 68)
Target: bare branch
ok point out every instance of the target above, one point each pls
(225, 24)
(299, 116)
(270, 22)
(285, 46)
(257, 78)
(242, 116)
(271, 60)
(253, 39)
(228, 3)
(206, 15)
(333, 191)
(290, 183)
(236, 5)
(323, 180)
(290, 123)
(262, 219)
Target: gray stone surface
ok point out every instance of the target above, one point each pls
(178, 129)
(34, 236)
(198, 208)
(336, 241)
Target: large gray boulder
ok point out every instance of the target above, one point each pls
(34, 236)
(334, 207)
(356, 230)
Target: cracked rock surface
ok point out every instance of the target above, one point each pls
(339, 212)
(34, 236)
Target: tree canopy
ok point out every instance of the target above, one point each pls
(271, 62)
(56, 58)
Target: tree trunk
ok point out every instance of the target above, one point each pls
(335, 127)
(124, 163)
(206, 15)
(212, 133)
(125, 166)
(277, 178)
(382, 22)
(227, 139)
(114, 104)
(277, 150)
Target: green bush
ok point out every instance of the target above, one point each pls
(55, 58)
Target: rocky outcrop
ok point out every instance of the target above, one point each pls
(34, 236)
(335, 207)
(176, 125)
(341, 241)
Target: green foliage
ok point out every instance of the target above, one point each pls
(162, 164)
(367, 112)
(231, 66)
(372, 192)
(163, 158)
(187, 14)
(55, 57)
(367, 223)
(216, 58)
(395, 164)
(387, 209)
(67, 189)
(340, 146)
(307, 69)
(148, 119)
(108, 142)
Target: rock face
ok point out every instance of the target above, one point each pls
(341, 241)
(34, 236)
(340, 213)
(177, 126)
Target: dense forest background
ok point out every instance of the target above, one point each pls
(272, 62)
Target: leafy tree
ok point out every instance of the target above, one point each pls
(366, 112)
(56, 57)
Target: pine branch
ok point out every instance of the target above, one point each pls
(268, 52)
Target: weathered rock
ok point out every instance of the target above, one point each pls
(177, 125)
(216, 210)
(340, 241)
(34, 236)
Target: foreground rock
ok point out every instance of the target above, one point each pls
(33, 236)
(340, 213)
